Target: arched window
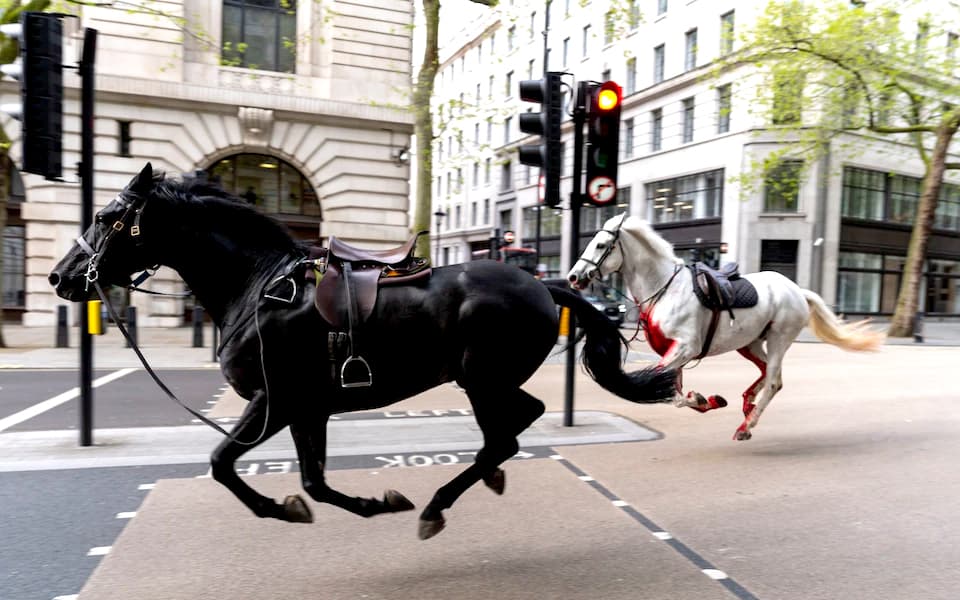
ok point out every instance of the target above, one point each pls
(273, 186)
(260, 34)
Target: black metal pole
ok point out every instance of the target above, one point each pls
(579, 117)
(86, 70)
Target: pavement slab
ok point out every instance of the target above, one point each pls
(549, 536)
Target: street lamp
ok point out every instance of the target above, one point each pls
(439, 215)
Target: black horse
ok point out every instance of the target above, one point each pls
(485, 325)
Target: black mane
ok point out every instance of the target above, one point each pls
(214, 205)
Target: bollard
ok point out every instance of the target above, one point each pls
(918, 328)
(132, 325)
(94, 317)
(197, 327)
(63, 330)
(213, 343)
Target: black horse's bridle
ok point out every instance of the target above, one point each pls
(95, 254)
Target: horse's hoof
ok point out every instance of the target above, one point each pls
(497, 482)
(396, 502)
(742, 435)
(295, 510)
(717, 402)
(428, 529)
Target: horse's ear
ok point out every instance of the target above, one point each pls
(144, 180)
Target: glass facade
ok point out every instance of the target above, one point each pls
(879, 196)
(687, 198)
(868, 283)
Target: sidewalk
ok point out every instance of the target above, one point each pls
(172, 347)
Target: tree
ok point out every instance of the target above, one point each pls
(861, 72)
(423, 119)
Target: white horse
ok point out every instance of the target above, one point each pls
(681, 329)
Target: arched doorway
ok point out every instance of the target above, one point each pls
(275, 187)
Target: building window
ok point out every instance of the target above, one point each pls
(260, 34)
(661, 6)
(507, 124)
(566, 51)
(14, 262)
(658, 61)
(726, 33)
(634, 11)
(779, 256)
(486, 211)
(631, 76)
(951, 46)
(506, 177)
(656, 129)
(687, 120)
(698, 196)
(864, 194)
(859, 282)
(605, 75)
(476, 174)
(787, 97)
(609, 23)
(508, 85)
(724, 106)
(533, 25)
(473, 214)
(551, 222)
(489, 129)
(511, 37)
(781, 187)
(530, 68)
(628, 138)
(490, 87)
(487, 168)
(690, 45)
(123, 138)
(586, 40)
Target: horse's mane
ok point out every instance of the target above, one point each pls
(643, 231)
(214, 204)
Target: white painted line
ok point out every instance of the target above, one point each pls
(585, 478)
(126, 515)
(68, 597)
(211, 401)
(146, 486)
(714, 574)
(662, 535)
(50, 403)
(99, 551)
(620, 503)
(556, 457)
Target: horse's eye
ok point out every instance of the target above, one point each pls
(601, 246)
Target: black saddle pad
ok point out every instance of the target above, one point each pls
(744, 294)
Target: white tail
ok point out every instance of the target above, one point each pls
(831, 329)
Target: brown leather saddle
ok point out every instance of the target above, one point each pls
(348, 280)
(720, 290)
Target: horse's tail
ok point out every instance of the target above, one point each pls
(831, 329)
(601, 352)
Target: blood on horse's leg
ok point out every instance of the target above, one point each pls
(755, 354)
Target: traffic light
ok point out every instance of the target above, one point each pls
(40, 72)
(603, 141)
(547, 154)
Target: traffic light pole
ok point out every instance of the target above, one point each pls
(85, 170)
(576, 199)
(546, 68)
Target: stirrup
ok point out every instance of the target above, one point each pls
(293, 291)
(361, 382)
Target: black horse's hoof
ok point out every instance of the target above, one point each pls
(295, 510)
(428, 529)
(396, 502)
(497, 482)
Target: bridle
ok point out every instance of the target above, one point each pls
(615, 233)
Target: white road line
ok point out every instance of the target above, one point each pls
(585, 478)
(620, 503)
(715, 574)
(99, 551)
(146, 486)
(126, 515)
(42, 407)
(67, 597)
(662, 535)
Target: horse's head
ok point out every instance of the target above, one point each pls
(603, 255)
(110, 250)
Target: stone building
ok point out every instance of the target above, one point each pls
(297, 107)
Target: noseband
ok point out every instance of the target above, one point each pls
(96, 254)
(615, 241)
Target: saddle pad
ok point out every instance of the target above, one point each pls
(744, 294)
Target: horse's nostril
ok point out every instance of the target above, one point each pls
(572, 277)
(54, 279)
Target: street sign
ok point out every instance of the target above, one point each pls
(602, 190)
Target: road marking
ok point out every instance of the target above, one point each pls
(42, 407)
(126, 515)
(146, 486)
(682, 549)
(67, 597)
(99, 551)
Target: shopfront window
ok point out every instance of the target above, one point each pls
(270, 184)
(686, 198)
(859, 277)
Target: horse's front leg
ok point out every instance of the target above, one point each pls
(311, 442)
(255, 426)
(679, 355)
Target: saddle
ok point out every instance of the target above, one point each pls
(720, 290)
(348, 280)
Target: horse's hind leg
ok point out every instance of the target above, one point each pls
(248, 433)
(311, 442)
(502, 416)
(772, 383)
(755, 353)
